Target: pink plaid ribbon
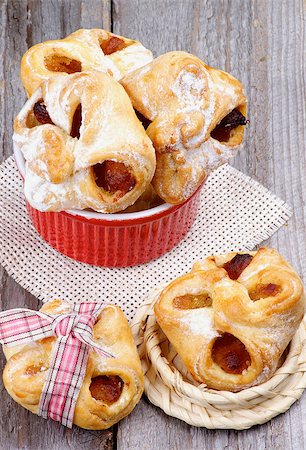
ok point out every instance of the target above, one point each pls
(69, 354)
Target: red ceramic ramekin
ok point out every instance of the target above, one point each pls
(114, 240)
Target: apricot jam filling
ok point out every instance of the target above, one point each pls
(114, 176)
(57, 63)
(106, 388)
(76, 122)
(264, 290)
(230, 354)
(189, 301)
(222, 132)
(236, 266)
(111, 45)
(34, 369)
(41, 114)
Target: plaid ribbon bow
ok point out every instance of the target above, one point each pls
(69, 354)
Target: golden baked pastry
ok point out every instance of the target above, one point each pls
(197, 116)
(231, 318)
(111, 387)
(83, 144)
(149, 199)
(82, 50)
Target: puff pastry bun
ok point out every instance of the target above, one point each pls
(231, 318)
(197, 115)
(82, 50)
(83, 144)
(149, 199)
(111, 387)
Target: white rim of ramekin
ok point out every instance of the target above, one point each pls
(20, 161)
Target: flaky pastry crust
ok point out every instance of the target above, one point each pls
(65, 170)
(92, 49)
(231, 318)
(185, 100)
(149, 199)
(27, 368)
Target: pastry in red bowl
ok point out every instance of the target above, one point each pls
(81, 168)
(114, 240)
(89, 166)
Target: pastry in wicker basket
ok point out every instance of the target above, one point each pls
(231, 318)
(82, 50)
(83, 144)
(111, 387)
(197, 117)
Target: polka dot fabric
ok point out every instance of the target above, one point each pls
(236, 213)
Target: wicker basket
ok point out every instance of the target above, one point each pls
(169, 385)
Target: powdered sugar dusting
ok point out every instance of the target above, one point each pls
(200, 321)
(45, 196)
(201, 96)
(189, 88)
(102, 137)
(130, 58)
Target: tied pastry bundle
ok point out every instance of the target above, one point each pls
(85, 146)
(74, 363)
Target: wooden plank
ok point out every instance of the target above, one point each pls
(260, 42)
(286, 69)
(24, 24)
(161, 26)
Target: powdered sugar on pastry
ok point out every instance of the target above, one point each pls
(185, 99)
(129, 59)
(46, 196)
(60, 169)
(235, 340)
(189, 88)
(92, 49)
(200, 321)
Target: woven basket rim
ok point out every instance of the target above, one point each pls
(200, 406)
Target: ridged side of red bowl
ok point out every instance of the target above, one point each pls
(117, 243)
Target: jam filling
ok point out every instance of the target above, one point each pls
(111, 45)
(41, 114)
(114, 176)
(236, 266)
(230, 354)
(76, 122)
(264, 291)
(56, 63)
(189, 301)
(106, 388)
(145, 122)
(33, 370)
(222, 132)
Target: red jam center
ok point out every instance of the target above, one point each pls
(113, 177)
(230, 354)
(106, 388)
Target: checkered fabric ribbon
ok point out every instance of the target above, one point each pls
(69, 353)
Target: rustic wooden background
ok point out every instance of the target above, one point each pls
(259, 41)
